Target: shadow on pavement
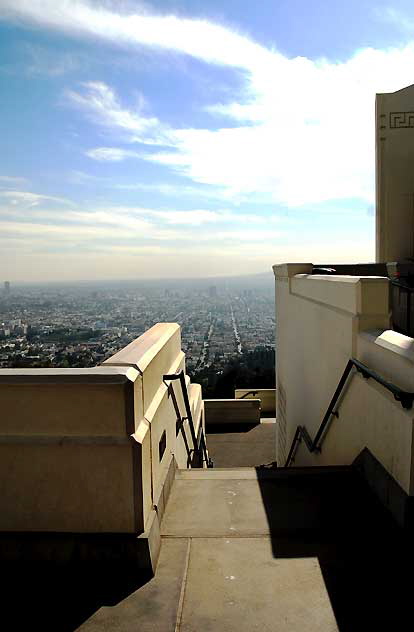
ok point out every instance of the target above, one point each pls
(48, 596)
(364, 556)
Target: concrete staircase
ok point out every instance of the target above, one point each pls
(306, 549)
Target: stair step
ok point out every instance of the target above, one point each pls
(252, 473)
(249, 502)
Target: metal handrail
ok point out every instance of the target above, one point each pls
(405, 398)
(249, 393)
(180, 421)
(200, 448)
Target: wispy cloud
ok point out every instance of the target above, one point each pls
(125, 226)
(299, 134)
(43, 62)
(190, 36)
(80, 177)
(100, 102)
(12, 181)
(397, 18)
(111, 154)
(29, 199)
(175, 190)
(302, 133)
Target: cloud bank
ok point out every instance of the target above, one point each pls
(301, 133)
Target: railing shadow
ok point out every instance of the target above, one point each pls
(363, 555)
(60, 597)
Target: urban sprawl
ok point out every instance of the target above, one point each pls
(81, 326)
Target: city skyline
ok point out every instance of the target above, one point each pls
(222, 326)
(188, 139)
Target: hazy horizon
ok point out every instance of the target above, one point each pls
(168, 139)
(257, 278)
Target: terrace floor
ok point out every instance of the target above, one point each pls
(265, 550)
(242, 445)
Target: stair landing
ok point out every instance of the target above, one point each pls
(242, 445)
(255, 549)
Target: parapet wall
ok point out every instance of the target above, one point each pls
(267, 398)
(322, 322)
(91, 450)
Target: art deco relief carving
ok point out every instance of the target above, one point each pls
(401, 120)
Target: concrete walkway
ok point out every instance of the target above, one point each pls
(269, 550)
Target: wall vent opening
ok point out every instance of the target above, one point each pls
(162, 445)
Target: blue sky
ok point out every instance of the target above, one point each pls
(191, 138)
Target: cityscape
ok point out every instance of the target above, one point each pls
(224, 323)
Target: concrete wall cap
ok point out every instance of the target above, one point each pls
(342, 278)
(140, 352)
(92, 375)
(283, 270)
(395, 342)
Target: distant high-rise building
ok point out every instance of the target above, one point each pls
(212, 291)
(7, 287)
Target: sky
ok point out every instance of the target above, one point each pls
(191, 138)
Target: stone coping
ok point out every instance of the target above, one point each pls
(91, 375)
(393, 341)
(141, 351)
(357, 295)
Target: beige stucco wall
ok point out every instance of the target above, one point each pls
(394, 181)
(78, 487)
(321, 322)
(95, 409)
(369, 418)
(79, 448)
(66, 454)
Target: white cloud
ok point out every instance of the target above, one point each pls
(100, 101)
(303, 133)
(397, 18)
(12, 181)
(198, 38)
(121, 226)
(42, 62)
(111, 154)
(28, 199)
(176, 190)
(80, 177)
(186, 218)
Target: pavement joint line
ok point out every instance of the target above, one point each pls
(183, 588)
(227, 536)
